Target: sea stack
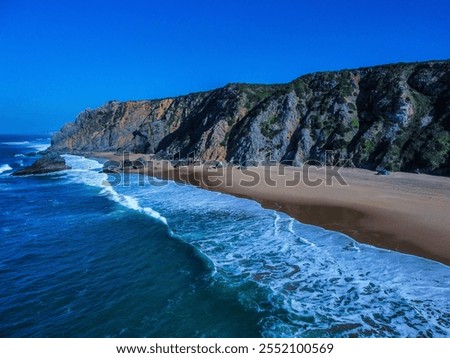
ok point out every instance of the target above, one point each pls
(48, 163)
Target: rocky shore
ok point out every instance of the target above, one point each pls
(48, 163)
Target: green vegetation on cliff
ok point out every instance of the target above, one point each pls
(397, 116)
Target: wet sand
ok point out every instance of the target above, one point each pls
(403, 211)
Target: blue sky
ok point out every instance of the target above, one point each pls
(59, 57)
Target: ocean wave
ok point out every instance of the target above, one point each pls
(16, 143)
(132, 204)
(5, 168)
(318, 282)
(86, 171)
(39, 147)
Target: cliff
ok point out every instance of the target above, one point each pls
(396, 116)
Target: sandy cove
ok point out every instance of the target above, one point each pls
(403, 211)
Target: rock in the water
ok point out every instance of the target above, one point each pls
(51, 162)
(112, 166)
(139, 163)
(127, 163)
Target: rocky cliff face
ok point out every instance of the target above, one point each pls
(396, 116)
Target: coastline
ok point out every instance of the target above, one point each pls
(402, 212)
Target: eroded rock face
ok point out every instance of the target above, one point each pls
(48, 163)
(396, 116)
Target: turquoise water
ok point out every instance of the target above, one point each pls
(79, 258)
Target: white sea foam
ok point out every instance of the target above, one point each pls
(39, 147)
(155, 214)
(317, 282)
(275, 222)
(16, 143)
(5, 168)
(132, 204)
(86, 171)
(325, 282)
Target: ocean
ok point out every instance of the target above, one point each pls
(80, 257)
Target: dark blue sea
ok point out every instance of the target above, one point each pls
(80, 257)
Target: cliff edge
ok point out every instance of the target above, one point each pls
(396, 116)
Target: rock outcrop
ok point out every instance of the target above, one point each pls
(394, 116)
(48, 163)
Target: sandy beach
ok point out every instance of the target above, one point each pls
(403, 211)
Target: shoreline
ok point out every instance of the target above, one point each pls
(402, 212)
